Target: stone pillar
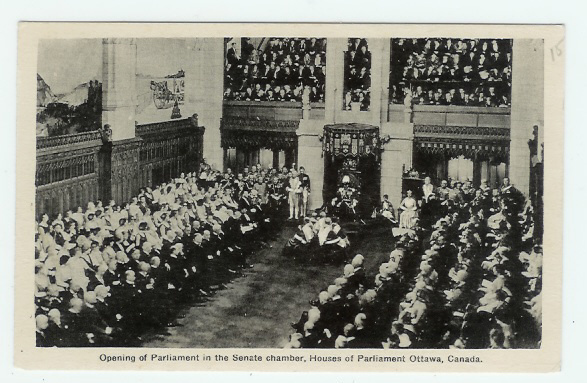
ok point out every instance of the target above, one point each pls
(276, 159)
(476, 172)
(527, 106)
(119, 95)
(204, 89)
(397, 154)
(384, 81)
(310, 157)
(380, 51)
(119, 101)
(335, 48)
(309, 153)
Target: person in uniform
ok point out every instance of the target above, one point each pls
(305, 186)
(294, 191)
(345, 202)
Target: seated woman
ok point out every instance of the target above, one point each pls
(409, 208)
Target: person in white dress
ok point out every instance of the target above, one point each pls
(409, 208)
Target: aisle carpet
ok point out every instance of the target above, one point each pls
(256, 308)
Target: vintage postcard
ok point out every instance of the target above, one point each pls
(289, 197)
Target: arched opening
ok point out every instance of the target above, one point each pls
(460, 168)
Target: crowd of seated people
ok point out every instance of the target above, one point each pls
(357, 74)
(471, 279)
(444, 71)
(319, 238)
(282, 71)
(109, 274)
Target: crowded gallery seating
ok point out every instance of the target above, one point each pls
(357, 74)
(444, 71)
(107, 275)
(468, 278)
(278, 69)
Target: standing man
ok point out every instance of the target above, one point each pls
(305, 186)
(294, 191)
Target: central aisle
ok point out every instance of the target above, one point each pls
(256, 308)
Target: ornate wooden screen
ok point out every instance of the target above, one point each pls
(351, 140)
(75, 169)
(251, 134)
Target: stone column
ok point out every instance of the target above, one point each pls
(335, 48)
(204, 89)
(121, 156)
(527, 106)
(380, 51)
(276, 159)
(310, 157)
(396, 154)
(384, 81)
(119, 96)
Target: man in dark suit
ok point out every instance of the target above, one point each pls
(232, 56)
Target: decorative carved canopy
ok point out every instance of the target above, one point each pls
(351, 140)
(256, 134)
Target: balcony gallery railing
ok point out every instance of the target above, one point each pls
(270, 110)
(166, 126)
(449, 115)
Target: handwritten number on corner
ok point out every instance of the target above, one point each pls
(556, 51)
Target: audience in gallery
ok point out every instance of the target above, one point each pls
(106, 275)
(445, 71)
(357, 74)
(282, 71)
(468, 275)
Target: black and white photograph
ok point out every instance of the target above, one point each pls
(288, 191)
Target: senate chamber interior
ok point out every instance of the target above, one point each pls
(289, 192)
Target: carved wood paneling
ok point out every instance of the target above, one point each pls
(462, 132)
(75, 169)
(472, 149)
(69, 139)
